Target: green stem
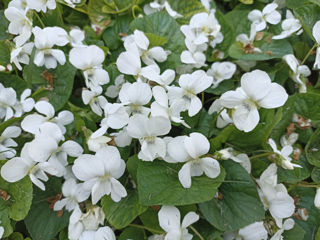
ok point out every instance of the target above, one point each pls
(307, 185)
(77, 9)
(196, 232)
(261, 155)
(308, 54)
(214, 121)
(39, 19)
(146, 228)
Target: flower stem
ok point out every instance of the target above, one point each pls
(196, 232)
(307, 185)
(308, 54)
(146, 228)
(261, 155)
(39, 19)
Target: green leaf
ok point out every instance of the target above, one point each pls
(121, 214)
(132, 166)
(133, 234)
(304, 104)
(42, 222)
(274, 49)
(10, 80)
(240, 204)
(59, 90)
(312, 149)
(116, 6)
(4, 218)
(187, 9)
(296, 233)
(315, 175)
(308, 16)
(4, 53)
(227, 31)
(150, 219)
(3, 26)
(20, 199)
(297, 174)
(238, 20)
(305, 199)
(96, 14)
(259, 136)
(155, 40)
(111, 35)
(163, 25)
(158, 184)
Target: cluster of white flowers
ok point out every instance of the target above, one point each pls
(147, 102)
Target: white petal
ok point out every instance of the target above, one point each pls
(129, 63)
(316, 31)
(255, 84)
(210, 166)
(189, 219)
(232, 99)
(276, 96)
(72, 148)
(185, 175)
(176, 149)
(169, 218)
(196, 145)
(14, 170)
(195, 106)
(245, 119)
(45, 108)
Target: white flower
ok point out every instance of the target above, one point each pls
(190, 86)
(166, 78)
(17, 168)
(31, 123)
(81, 224)
(20, 4)
(316, 35)
(283, 155)
(248, 41)
(41, 5)
(77, 36)
(95, 144)
(221, 71)
(135, 95)
(106, 166)
(25, 104)
(224, 118)
(147, 131)
(289, 26)
(20, 25)
(256, 90)
(268, 15)
(129, 63)
(298, 72)
(254, 231)
(8, 98)
(287, 225)
(1, 231)
(94, 99)
(6, 142)
(73, 193)
(44, 40)
(158, 5)
(113, 90)
(205, 25)
(289, 140)
(190, 150)
(160, 107)
(148, 56)
(72, 2)
(122, 138)
(116, 117)
(89, 59)
(317, 198)
(242, 158)
(169, 220)
(21, 54)
(275, 196)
